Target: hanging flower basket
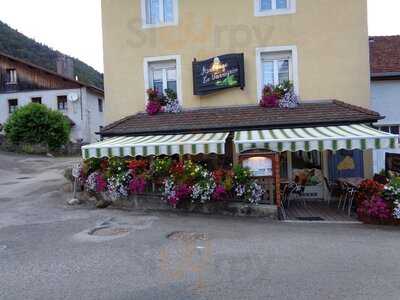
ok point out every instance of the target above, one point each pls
(282, 96)
(167, 103)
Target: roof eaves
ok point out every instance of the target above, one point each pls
(82, 84)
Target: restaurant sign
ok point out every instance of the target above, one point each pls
(259, 166)
(218, 73)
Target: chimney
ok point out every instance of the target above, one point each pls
(65, 66)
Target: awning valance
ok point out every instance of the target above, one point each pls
(206, 143)
(333, 138)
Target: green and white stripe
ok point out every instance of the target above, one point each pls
(206, 143)
(316, 138)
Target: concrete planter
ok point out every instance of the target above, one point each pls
(154, 202)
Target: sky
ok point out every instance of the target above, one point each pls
(74, 26)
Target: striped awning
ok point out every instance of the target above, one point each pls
(333, 138)
(206, 143)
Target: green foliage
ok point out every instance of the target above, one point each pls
(170, 95)
(281, 89)
(242, 175)
(116, 166)
(37, 124)
(161, 167)
(18, 45)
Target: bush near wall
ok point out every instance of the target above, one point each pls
(35, 124)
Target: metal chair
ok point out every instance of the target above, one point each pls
(343, 193)
(293, 189)
(348, 193)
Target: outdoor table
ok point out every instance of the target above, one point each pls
(354, 181)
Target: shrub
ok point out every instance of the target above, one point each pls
(37, 124)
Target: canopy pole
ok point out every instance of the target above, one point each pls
(277, 172)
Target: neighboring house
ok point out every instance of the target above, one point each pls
(22, 83)
(320, 46)
(385, 88)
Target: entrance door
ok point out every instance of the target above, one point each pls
(346, 164)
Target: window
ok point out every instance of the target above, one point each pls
(274, 7)
(37, 100)
(163, 73)
(276, 65)
(163, 76)
(159, 12)
(62, 103)
(12, 76)
(100, 104)
(12, 105)
(393, 129)
(276, 68)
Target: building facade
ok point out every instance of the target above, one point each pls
(222, 58)
(323, 45)
(385, 89)
(22, 83)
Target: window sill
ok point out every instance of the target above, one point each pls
(275, 12)
(149, 26)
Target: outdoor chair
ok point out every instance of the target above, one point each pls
(348, 193)
(295, 191)
(333, 189)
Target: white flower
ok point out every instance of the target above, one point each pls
(173, 107)
(396, 210)
(91, 182)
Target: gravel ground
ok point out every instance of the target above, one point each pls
(49, 250)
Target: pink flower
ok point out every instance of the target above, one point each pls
(173, 201)
(153, 107)
(269, 101)
(375, 208)
(219, 193)
(137, 185)
(183, 191)
(101, 184)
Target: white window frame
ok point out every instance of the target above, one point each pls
(160, 59)
(12, 76)
(293, 66)
(175, 22)
(274, 11)
(275, 58)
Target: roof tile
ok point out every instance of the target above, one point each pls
(231, 118)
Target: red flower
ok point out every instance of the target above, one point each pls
(104, 165)
(218, 176)
(138, 166)
(153, 95)
(178, 169)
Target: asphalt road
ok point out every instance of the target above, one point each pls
(46, 251)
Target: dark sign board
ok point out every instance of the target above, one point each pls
(218, 73)
(393, 162)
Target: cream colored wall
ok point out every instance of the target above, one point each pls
(331, 38)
